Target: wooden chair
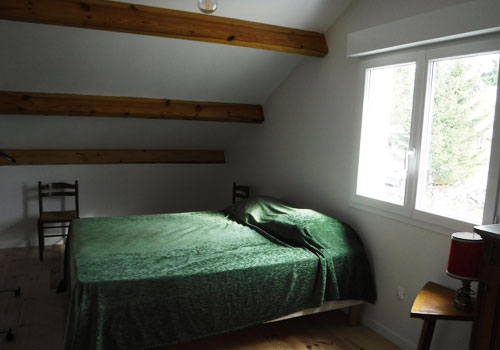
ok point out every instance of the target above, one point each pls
(55, 219)
(240, 191)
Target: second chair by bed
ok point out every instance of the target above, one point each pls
(240, 191)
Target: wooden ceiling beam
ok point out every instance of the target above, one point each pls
(52, 157)
(148, 20)
(35, 103)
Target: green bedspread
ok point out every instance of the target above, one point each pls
(141, 282)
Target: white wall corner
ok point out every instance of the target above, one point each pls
(461, 21)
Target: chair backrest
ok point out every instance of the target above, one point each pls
(58, 189)
(240, 191)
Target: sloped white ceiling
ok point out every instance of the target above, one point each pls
(49, 58)
(46, 58)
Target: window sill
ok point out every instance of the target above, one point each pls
(445, 227)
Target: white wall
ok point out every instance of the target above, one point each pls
(112, 189)
(44, 58)
(109, 190)
(304, 155)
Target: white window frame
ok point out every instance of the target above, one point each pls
(422, 56)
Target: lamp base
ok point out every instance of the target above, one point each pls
(463, 301)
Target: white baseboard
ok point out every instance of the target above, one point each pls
(16, 244)
(403, 343)
(30, 243)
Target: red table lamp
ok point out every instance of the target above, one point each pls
(463, 264)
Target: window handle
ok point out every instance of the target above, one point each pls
(409, 153)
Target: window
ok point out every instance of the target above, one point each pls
(386, 132)
(425, 149)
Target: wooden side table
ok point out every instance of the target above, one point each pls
(435, 302)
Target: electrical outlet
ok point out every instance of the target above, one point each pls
(401, 292)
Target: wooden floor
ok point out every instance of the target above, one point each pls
(37, 317)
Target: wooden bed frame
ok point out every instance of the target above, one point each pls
(353, 312)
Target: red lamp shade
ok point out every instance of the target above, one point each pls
(465, 253)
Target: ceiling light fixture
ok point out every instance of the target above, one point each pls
(207, 6)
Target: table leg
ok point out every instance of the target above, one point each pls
(426, 334)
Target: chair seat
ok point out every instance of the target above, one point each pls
(58, 216)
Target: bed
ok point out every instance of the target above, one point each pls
(144, 282)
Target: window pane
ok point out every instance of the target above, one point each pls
(385, 133)
(456, 143)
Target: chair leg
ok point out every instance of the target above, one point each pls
(40, 240)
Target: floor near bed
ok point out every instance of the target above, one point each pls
(37, 317)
